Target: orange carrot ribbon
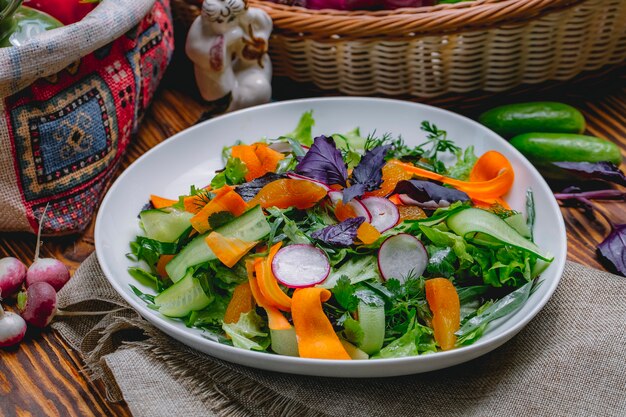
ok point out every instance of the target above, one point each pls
(315, 334)
(229, 250)
(492, 176)
(268, 284)
(241, 302)
(275, 319)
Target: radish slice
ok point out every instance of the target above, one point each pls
(402, 256)
(384, 213)
(358, 207)
(281, 146)
(300, 266)
(303, 178)
(408, 201)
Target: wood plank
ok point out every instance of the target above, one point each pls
(45, 377)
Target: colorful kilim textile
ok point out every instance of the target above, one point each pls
(63, 135)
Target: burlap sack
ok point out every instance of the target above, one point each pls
(70, 101)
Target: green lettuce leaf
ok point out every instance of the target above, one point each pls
(302, 132)
(356, 268)
(248, 332)
(234, 173)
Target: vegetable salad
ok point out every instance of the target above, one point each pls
(342, 247)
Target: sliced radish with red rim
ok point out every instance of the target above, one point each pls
(359, 208)
(300, 266)
(384, 213)
(402, 256)
(408, 201)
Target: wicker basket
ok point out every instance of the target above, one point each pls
(490, 45)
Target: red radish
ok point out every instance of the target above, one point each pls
(300, 266)
(335, 196)
(407, 201)
(358, 207)
(402, 256)
(12, 328)
(12, 276)
(385, 214)
(302, 177)
(49, 270)
(38, 304)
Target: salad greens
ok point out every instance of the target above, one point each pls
(305, 248)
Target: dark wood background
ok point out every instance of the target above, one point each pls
(43, 376)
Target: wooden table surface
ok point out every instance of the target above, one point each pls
(43, 376)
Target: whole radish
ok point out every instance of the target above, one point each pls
(38, 304)
(49, 270)
(12, 328)
(12, 276)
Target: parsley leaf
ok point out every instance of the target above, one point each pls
(344, 293)
(220, 218)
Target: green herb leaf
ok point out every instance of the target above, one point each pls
(352, 331)
(234, 173)
(220, 218)
(504, 306)
(344, 293)
(148, 298)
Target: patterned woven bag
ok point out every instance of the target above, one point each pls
(70, 101)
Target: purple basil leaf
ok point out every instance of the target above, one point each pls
(249, 190)
(606, 171)
(428, 194)
(323, 162)
(368, 175)
(342, 234)
(613, 249)
(352, 191)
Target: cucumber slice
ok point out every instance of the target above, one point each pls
(182, 298)
(518, 222)
(196, 252)
(372, 321)
(165, 225)
(353, 351)
(473, 220)
(250, 226)
(284, 342)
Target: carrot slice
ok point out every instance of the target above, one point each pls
(229, 250)
(160, 266)
(224, 200)
(275, 319)
(268, 284)
(285, 193)
(161, 202)
(493, 176)
(367, 233)
(250, 159)
(315, 334)
(443, 301)
(411, 213)
(269, 157)
(395, 199)
(392, 175)
(344, 211)
(241, 302)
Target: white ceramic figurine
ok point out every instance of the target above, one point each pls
(228, 45)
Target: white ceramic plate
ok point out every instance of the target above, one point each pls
(192, 156)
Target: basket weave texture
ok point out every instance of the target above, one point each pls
(489, 45)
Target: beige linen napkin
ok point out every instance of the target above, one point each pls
(569, 361)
